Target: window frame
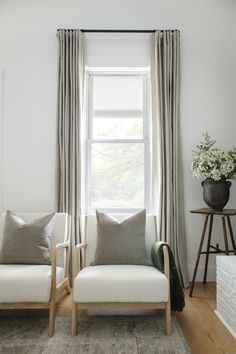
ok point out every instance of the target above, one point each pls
(90, 73)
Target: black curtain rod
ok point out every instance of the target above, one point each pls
(117, 31)
(110, 30)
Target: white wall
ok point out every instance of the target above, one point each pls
(28, 87)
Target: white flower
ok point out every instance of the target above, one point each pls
(211, 162)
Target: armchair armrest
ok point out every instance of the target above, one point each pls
(62, 245)
(166, 262)
(160, 257)
(81, 245)
(56, 248)
(76, 258)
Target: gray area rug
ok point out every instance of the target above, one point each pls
(96, 335)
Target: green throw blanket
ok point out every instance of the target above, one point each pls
(176, 291)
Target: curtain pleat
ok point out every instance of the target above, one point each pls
(167, 179)
(70, 98)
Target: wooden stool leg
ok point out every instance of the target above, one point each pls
(231, 234)
(208, 248)
(225, 235)
(199, 254)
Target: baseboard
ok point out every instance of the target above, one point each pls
(211, 273)
(225, 324)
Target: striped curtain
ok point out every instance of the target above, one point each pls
(70, 98)
(167, 178)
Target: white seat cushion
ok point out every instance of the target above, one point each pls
(120, 283)
(26, 283)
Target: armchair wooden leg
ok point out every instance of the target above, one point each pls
(168, 319)
(74, 319)
(67, 287)
(52, 314)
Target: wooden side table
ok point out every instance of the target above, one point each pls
(225, 216)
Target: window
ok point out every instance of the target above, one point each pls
(117, 146)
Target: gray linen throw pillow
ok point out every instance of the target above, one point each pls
(121, 242)
(27, 243)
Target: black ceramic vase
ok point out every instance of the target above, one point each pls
(216, 193)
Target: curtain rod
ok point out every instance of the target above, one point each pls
(110, 30)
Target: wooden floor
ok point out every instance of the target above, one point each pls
(202, 329)
(204, 332)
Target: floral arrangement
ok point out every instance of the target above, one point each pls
(212, 162)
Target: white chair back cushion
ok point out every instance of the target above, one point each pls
(60, 230)
(90, 234)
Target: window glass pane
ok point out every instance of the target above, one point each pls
(117, 93)
(117, 175)
(117, 107)
(117, 128)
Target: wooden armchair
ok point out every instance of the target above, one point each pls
(118, 286)
(26, 286)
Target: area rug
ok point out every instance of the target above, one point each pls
(96, 335)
